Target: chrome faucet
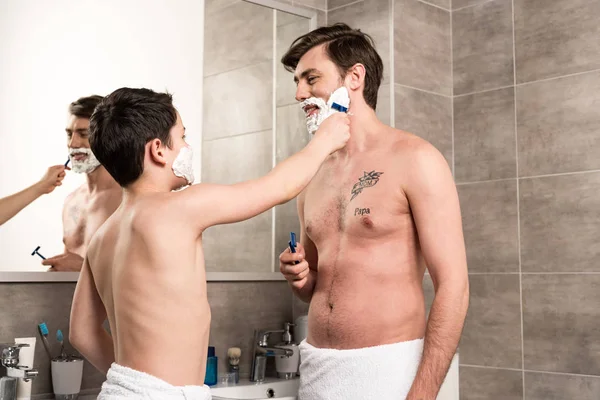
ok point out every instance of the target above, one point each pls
(10, 360)
(261, 351)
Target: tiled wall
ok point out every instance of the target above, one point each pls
(510, 97)
(237, 309)
(526, 89)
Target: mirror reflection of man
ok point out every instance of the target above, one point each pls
(86, 209)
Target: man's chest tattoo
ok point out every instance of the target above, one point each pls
(369, 179)
(362, 211)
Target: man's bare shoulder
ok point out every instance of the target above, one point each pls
(415, 152)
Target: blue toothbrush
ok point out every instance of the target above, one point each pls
(292, 244)
(60, 339)
(43, 330)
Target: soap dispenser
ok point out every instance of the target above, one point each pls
(287, 366)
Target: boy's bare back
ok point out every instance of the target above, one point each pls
(148, 269)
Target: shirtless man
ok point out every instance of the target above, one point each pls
(93, 202)
(376, 215)
(144, 268)
(13, 204)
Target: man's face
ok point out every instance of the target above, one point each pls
(80, 154)
(317, 77)
(78, 130)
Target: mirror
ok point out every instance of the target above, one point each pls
(49, 59)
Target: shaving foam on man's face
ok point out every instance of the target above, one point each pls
(317, 110)
(182, 166)
(83, 161)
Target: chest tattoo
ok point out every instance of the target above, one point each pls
(369, 179)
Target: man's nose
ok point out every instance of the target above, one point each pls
(75, 141)
(302, 93)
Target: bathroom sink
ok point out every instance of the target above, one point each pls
(246, 390)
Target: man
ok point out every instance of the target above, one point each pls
(144, 268)
(11, 205)
(375, 215)
(93, 202)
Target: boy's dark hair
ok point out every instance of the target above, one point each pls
(345, 47)
(123, 123)
(84, 107)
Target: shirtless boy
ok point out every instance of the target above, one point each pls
(144, 268)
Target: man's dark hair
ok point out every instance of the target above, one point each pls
(121, 126)
(345, 47)
(84, 106)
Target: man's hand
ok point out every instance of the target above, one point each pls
(53, 178)
(64, 262)
(296, 274)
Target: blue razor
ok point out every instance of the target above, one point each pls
(292, 244)
(68, 161)
(36, 252)
(339, 107)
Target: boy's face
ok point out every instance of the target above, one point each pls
(180, 156)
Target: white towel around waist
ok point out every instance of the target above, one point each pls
(126, 383)
(372, 373)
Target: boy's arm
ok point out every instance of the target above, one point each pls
(86, 332)
(209, 204)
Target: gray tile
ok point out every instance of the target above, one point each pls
(231, 160)
(23, 306)
(555, 38)
(286, 221)
(238, 308)
(292, 134)
(225, 52)
(286, 88)
(482, 47)
(489, 383)
(383, 104)
(559, 223)
(318, 4)
(540, 386)
(559, 125)
(429, 292)
(456, 4)
(238, 101)
(426, 115)
(484, 136)
(238, 158)
(492, 333)
(445, 4)
(422, 46)
(331, 4)
(371, 17)
(560, 323)
(300, 307)
(490, 224)
(211, 6)
(284, 18)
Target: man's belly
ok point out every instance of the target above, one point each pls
(363, 307)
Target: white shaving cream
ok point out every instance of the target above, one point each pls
(85, 166)
(340, 96)
(182, 166)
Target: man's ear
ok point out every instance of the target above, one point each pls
(156, 150)
(355, 77)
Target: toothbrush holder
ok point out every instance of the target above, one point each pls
(66, 377)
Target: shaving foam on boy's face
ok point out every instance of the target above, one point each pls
(182, 165)
(317, 110)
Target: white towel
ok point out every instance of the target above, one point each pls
(372, 373)
(126, 383)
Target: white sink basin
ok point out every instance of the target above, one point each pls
(246, 390)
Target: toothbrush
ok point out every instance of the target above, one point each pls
(43, 330)
(60, 339)
(292, 244)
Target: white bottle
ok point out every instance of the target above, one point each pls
(287, 366)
